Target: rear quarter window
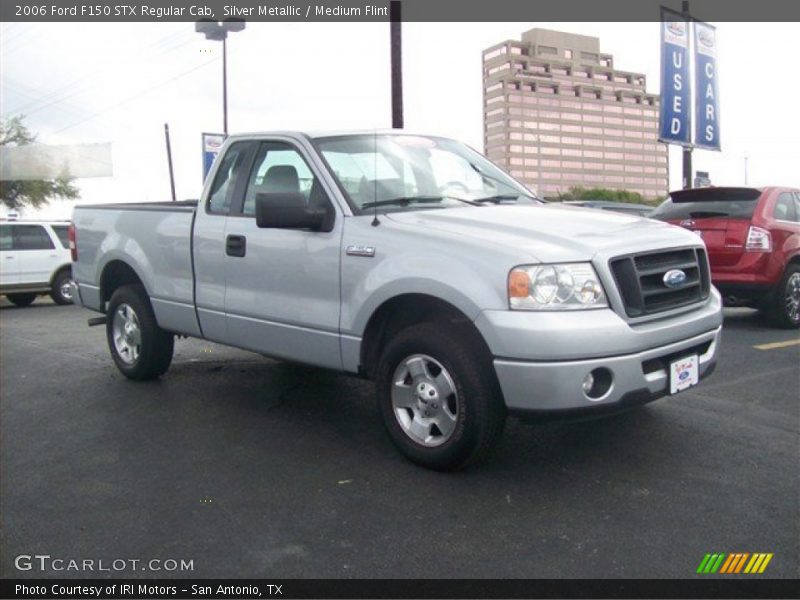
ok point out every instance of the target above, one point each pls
(63, 235)
(784, 209)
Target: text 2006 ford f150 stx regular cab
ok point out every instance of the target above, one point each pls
(413, 261)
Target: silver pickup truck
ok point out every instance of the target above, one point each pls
(413, 261)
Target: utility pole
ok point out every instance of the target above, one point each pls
(396, 41)
(745, 170)
(169, 162)
(687, 150)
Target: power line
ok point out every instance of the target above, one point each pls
(57, 96)
(136, 96)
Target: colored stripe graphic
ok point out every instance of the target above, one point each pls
(710, 563)
(754, 563)
(740, 564)
(727, 564)
(703, 563)
(735, 563)
(765, 563)
(718, 563)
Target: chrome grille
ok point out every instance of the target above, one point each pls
(640, 280)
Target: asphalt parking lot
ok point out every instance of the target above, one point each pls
(256, 468)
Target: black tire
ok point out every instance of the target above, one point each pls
(58, 292)
(481, 412)
(155, 346)
(785, 309)
(21, 299)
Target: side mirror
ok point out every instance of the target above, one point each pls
(289, 211)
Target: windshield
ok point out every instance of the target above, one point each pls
(407, 172)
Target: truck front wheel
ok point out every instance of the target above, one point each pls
(439, 396)
(139, 347)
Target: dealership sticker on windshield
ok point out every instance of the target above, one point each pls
(683, 374)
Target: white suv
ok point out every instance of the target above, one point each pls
(35, 259)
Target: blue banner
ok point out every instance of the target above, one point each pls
(706, 87)
(212, 142)
(676, 108)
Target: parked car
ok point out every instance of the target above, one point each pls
(753, 241)
(412, 261)
(35, 260)
(641, 210)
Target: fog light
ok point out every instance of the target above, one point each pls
(597, 383)
(588, 383)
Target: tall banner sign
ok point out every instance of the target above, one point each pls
(676, 98)
(212, 142)
(707, 90)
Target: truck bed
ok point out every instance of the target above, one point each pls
(152, 238)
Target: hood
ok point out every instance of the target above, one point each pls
(551, 233)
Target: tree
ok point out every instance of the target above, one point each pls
(580, 193)
(20, 193)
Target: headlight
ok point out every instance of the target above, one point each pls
(572, 286)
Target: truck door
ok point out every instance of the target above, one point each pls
(208, 239)
(282, 285)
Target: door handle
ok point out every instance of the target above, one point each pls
(235, 245)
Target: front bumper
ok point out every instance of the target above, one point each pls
(538, 387)
(541, 359)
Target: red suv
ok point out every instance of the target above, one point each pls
(753, 241)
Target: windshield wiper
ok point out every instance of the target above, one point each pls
(404, 201)
(498, 198)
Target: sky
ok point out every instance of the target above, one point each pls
(119, 84)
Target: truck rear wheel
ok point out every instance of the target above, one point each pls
(785, 309)
(21, 299)
(140, 348)
(439, 396)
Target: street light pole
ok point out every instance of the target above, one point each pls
(218, 31)
(225, 85)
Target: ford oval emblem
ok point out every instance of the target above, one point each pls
(674, 278)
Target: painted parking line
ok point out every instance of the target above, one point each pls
(776, 345)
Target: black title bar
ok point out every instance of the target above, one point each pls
(378, 10)
(711, 587)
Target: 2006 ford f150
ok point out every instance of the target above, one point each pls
(414, 261)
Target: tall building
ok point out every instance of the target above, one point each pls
(558, 114)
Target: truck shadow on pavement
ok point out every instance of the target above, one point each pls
(337, 418)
